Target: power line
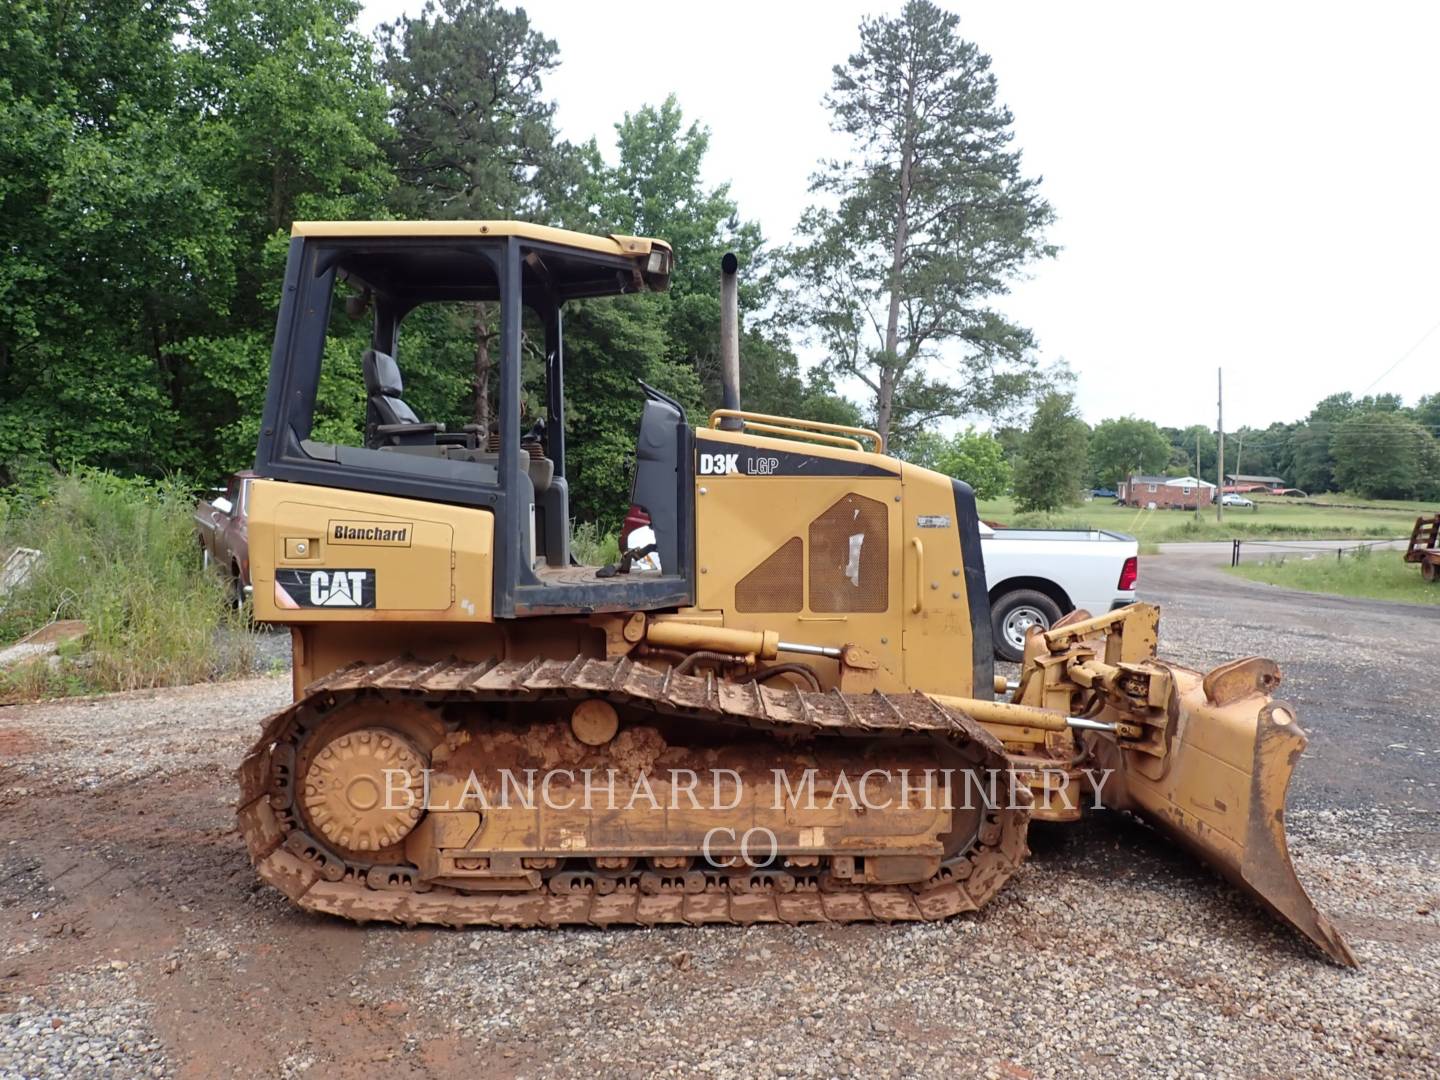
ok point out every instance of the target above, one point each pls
(1403, 357)
(1260, 434)
(1359, 421)
(1327, 432)
(1361, 418)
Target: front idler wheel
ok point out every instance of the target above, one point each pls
(362, 790)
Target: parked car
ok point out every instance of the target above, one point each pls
(221, 525)
(1036, 576)
(1237, 500)
(1103, 493)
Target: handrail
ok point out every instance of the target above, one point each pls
(811, 436)
(919, 549)
(797, 428)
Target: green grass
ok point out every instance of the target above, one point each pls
(1275, 518)
(1377, 575)
(121, 556)
(590, 547)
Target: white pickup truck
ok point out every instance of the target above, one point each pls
(1037, 575)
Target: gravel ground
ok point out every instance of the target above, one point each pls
(272, 650)
(96, 1034)
(135, 941)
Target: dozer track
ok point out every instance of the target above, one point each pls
(385, 887)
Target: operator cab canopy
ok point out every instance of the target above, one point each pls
(505, 462)
(563, 262)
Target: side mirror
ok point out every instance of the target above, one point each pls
(223, 504)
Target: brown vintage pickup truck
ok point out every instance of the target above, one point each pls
(220, 523)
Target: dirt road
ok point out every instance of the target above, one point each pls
(134, 939)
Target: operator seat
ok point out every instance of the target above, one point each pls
(394, 423)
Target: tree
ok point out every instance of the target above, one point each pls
(1053, 456)
(472, 135)
(1126, 445)
(821, 401)
(933, 218)
(1427, 413)
(1182, 443)
(973, 456)
(771, 381)
(471, 129)
(1258, 451)
(299, 114)
(609, 345)
(149, 156)
(1312, 467)
(656, 190)
(1011, 438)
(1382, 454)
(93, 181)
(295, 129)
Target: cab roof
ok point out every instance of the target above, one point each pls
(652, 260)
(614, 244)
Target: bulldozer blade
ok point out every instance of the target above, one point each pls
(1220, 788)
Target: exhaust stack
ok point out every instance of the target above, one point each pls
(730, 338)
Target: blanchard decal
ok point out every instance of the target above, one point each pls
(727, 462)
(933, 521)
(328, 588)
(371, 533)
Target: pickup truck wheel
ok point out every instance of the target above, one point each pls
(1012, 615)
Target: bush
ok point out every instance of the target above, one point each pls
(121, 555)
(1040, 520)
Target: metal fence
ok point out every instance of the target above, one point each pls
(1311, 547)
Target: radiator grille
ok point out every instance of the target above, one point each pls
(775, 584)
(850, 557)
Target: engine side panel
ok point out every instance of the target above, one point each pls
(827, 546)
(324, 555)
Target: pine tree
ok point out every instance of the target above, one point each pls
(933, 218)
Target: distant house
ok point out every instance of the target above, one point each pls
(1167, 493)
(1244, 483)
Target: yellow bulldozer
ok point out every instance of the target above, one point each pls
(779, 707)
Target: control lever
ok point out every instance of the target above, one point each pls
(627, 559)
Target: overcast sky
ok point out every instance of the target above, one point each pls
(1247, 186)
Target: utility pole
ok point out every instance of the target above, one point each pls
(1197, 476)
(1220, 457)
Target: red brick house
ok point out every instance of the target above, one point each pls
(1167, 493)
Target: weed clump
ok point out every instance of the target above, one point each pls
(591, 547)
(121, 555)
